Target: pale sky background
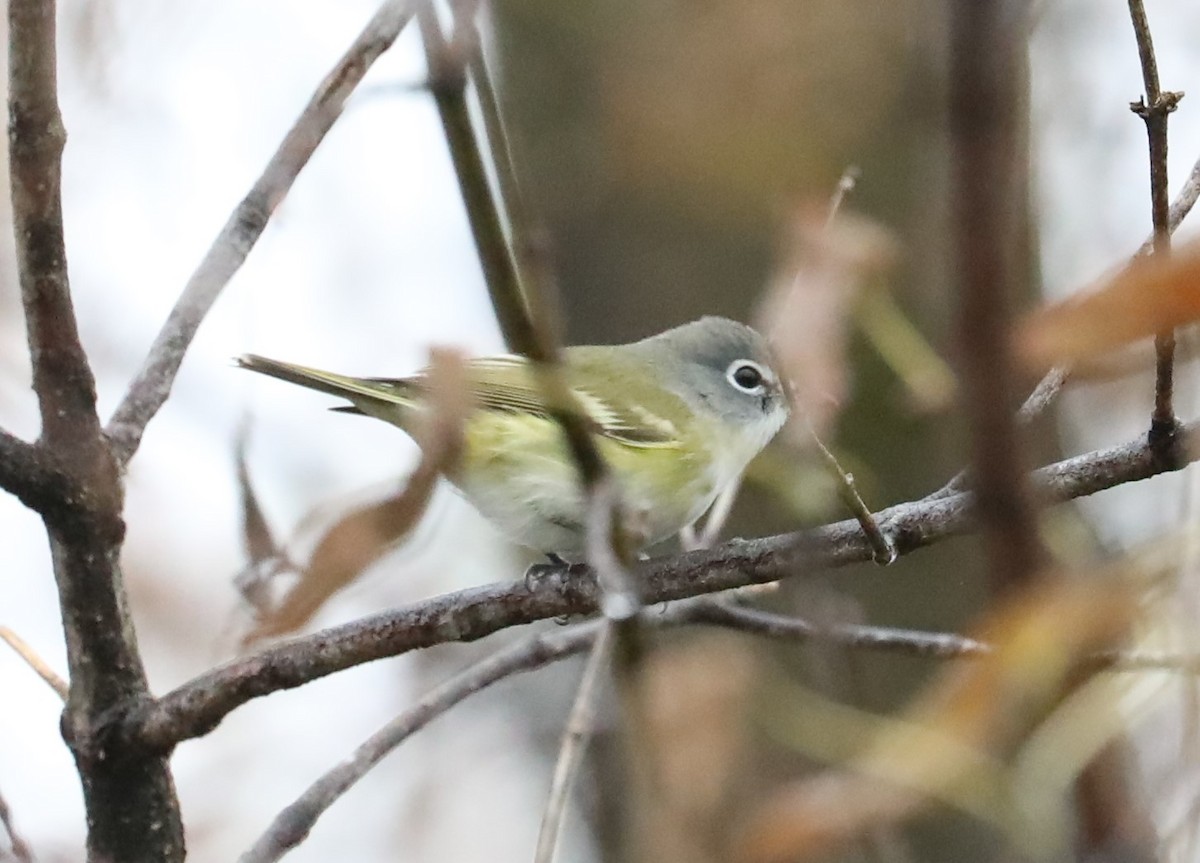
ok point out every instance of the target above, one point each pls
(172, 109)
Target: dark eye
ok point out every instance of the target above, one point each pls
(746, 376)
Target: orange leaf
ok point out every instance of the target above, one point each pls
(1149, 296)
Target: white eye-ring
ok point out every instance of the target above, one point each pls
(747, 376)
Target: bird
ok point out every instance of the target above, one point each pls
(676, 416)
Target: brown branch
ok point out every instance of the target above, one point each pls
(26, 472)
(246, 224)
(1049, 387)
(196, 707)
(1154, 108)
(987, 98)
(35, 662)
(62, 379)
(448, 82)
(133, 813)
(293, 824)
(523, 300)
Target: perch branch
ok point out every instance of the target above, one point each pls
(293, 824)
(197, 706)
(245, 226)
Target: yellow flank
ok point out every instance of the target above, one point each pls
(518, 473)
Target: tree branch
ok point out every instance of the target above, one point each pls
(196, 707)
(294, 823)
(447, 64)
(1154, 109)
(246, 224)
(25, 472)
(986, 97)
(132, 810)
(62, 379)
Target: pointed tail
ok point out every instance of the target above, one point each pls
(362, 393)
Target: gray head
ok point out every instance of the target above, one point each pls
(728, 370)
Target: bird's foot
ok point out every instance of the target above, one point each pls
(538, 572)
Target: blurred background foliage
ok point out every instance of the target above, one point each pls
(665, 146)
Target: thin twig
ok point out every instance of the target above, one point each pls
(35, 662)
(1154, 108)
(1189, 193)
(576, 735)
(447, 82)
(987, 49)
(498, 136)
(245, 226)
(845, 186)
(20, 848)
(523, 304)
(293, 824)
(847, 489)
(1050, 386)
(1035, 405)
(197, 706)
(883, 549)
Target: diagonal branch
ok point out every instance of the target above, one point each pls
(293, 824)
(246, 224)
(196, 707)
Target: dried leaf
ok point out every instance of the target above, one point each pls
(955, 740)
(265, 557)
(1150, 295)
(806, 313)
(362, 536)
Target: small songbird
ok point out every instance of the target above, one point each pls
(677, 417)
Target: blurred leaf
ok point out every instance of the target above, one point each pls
(362, 536)
(806, 314)
(265, 558)
(694, 701)
(925, 375)
(954, 741)
(1151, 295)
